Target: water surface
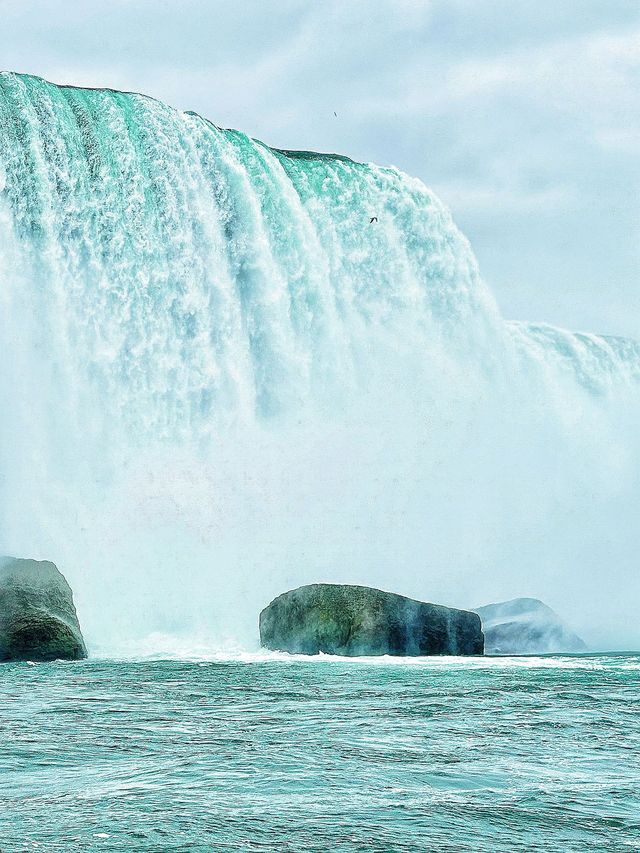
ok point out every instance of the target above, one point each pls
(288, 754)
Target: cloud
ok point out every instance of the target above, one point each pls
(523, 116)
(473, 199)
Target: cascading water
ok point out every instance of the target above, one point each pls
(220, 380)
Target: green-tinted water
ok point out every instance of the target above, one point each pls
(442, 754)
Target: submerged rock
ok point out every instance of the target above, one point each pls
(526, 626)
(341, 619)
(38, 620)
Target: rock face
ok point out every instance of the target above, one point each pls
(525, 626)
(38, 620)
(340, 619)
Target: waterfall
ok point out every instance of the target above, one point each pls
(221, 379)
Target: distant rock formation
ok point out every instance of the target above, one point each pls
(525, 626)
(341, 619)
(38, 620)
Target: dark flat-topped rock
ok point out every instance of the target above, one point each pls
(526, 626)
(341, 619)
(38, 620)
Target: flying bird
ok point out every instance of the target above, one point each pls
(373, 219)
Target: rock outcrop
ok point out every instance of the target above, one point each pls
(341, 619)
(38, 621)
(526, 626)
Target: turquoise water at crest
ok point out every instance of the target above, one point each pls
(277, 754)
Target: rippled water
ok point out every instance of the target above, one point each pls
(284, 754)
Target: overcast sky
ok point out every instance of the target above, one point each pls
(523, 115)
